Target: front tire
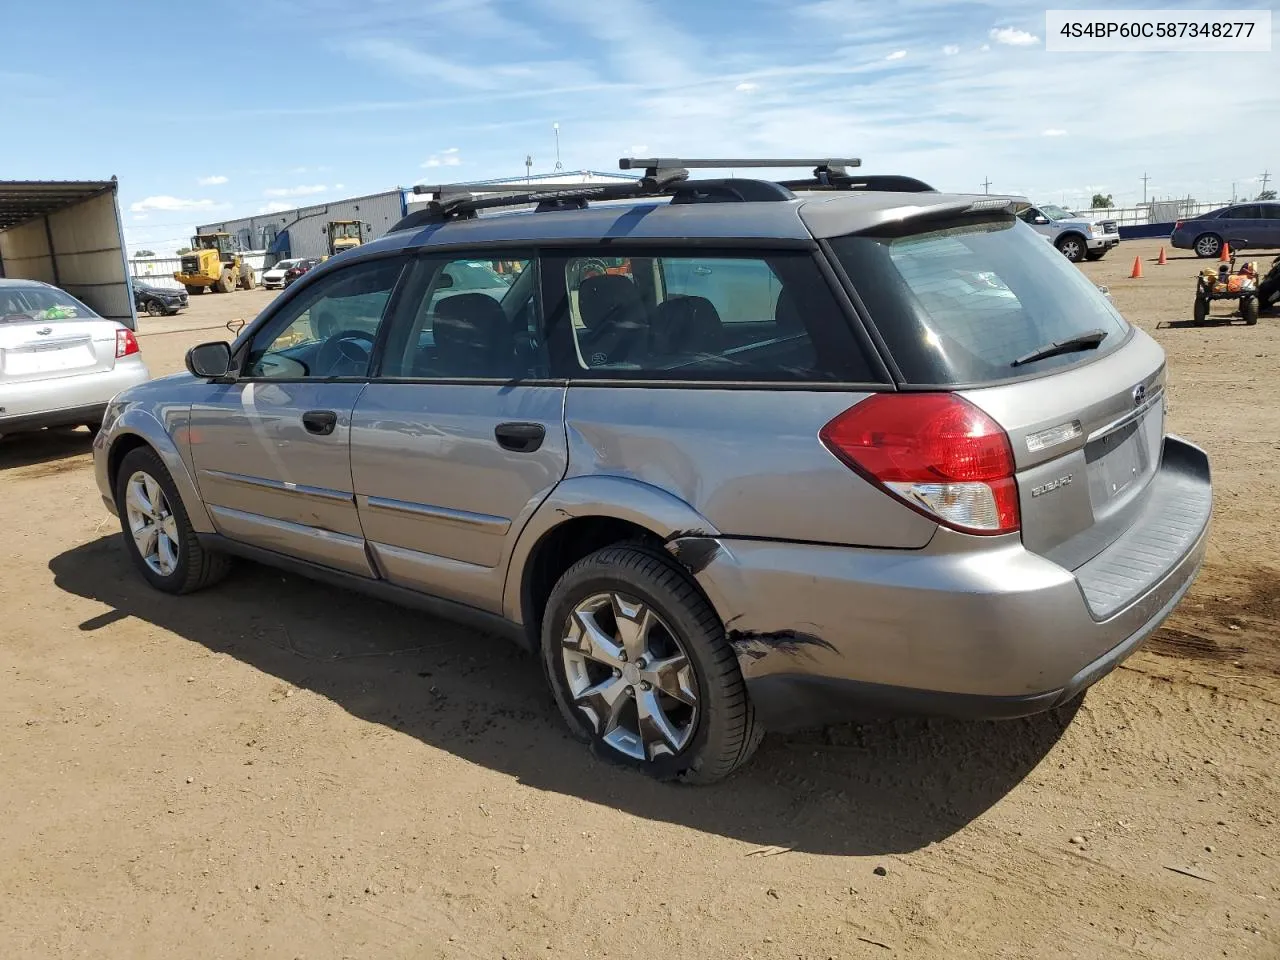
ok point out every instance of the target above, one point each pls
(1073, 247)
(1201, 310)
(157, 532)
(1249, 311)
(640, 668)
(154, 309)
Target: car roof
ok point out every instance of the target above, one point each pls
(807, 217)
(17, 282)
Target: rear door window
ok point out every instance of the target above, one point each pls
(969, 302)
(690, 315)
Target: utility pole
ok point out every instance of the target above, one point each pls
(559, 165)
(986, 185)
(528, 167)
(1145, 178)
(1265, 178)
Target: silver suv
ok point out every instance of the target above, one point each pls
(726, 455)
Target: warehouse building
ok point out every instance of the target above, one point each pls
(304, 232)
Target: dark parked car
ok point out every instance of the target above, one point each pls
(157, 301)
(1256, 224)
(299, 268)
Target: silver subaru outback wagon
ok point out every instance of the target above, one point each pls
(727, 455)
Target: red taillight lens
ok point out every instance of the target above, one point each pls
(936, 452)
(126, 343)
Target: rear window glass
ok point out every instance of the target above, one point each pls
(686, 315)
(22, 304)
(970, 302)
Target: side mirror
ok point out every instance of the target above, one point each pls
(209, 361)
(1040, 220)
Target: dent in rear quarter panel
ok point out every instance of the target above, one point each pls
(748, 460)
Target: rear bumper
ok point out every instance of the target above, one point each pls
(65, 400)
(971, 627)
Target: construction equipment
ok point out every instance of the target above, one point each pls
(345, 234)
(214, 262)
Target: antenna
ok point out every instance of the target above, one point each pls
(559, 165)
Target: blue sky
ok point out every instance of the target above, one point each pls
(291, 102)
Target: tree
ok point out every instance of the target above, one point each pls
(182, 251)
(144, 253)
(1266, 195)
(1102, 201)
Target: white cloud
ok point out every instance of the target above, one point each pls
(214, 181)
(1053, 132)
(746, 86)
(303, 190)
(986, 47)
(896, 55)
(339, 186)
(950, 50)
(141, 216)
(445, 158)
(275, 206)
(639, 149)
(1013, 37)
(163, 202)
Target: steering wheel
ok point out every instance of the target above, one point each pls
(343, 348)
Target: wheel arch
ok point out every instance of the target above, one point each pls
(582, 515)
(137, 428)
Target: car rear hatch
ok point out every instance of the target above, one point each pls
(43, 350)
(981, 308)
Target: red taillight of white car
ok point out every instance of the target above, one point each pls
(937, 453)
(126, 343)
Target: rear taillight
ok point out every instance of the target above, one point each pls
(126, 343)
(937, 453)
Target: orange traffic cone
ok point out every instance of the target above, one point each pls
(1225, 255)
(1137, 268)
(1163, 259)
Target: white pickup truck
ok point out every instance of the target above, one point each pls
(1078, 238)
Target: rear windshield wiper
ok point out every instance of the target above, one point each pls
(1085, 341)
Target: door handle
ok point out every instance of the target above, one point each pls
(320, 422)
(520, 437)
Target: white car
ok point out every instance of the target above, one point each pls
(274, 278)
(60, 363)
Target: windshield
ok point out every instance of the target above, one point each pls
(19, 304)
(959, 304)
(346, 231)
(1055, 213)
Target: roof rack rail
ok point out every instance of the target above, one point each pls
(662, 177)
(889, 183)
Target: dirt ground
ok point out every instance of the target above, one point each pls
(275, 769)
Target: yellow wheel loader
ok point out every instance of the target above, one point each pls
(345, 234)
(214, 262)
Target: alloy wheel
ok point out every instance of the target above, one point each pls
(152, 523)
(629, 676)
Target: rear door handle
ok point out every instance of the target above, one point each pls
(320, 422)
(520, 437)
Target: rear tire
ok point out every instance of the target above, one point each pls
(1202, 310)
(1073, 247)
(178, 564)
(1249, 311)
(721, 732)
(1207, 245)
(247, 281)
(225, 283)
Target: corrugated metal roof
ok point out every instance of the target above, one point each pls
(23, 200)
